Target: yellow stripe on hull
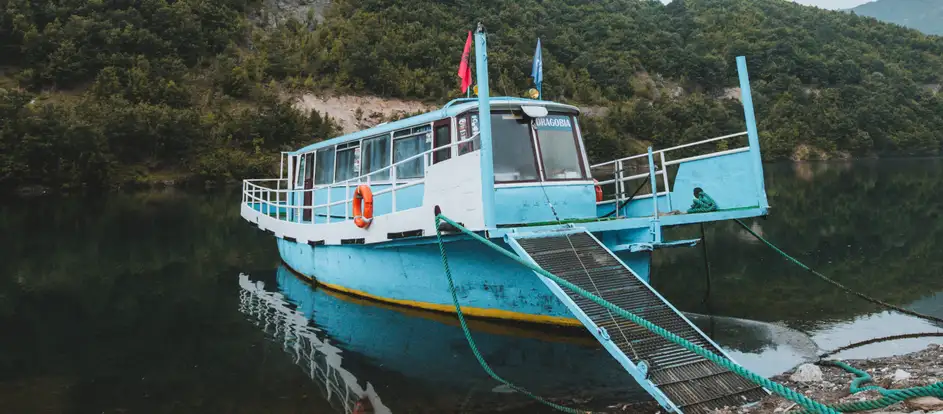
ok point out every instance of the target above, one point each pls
(466, 310)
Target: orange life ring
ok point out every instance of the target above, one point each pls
(598, 190)
(363, 206)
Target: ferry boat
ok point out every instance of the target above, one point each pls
(360, 214)
(499, 166)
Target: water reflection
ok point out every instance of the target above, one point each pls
(416, 361)
(873, 226)
(130, 303)
(320, 360)
(421, 359)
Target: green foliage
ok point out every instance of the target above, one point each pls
(182, 85)
(145, 107)
(832, 81)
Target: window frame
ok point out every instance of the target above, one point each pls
(534, 145)
(419, 133)
(352, 146)
(333, 157)
(389, 147)
(581, 155)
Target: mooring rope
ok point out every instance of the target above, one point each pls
(775, 387)
(836, 284)
(881, 339)
(889, 397)
(468, 336)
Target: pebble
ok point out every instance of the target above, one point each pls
(924, 404)
(900, 375)
(807, 373)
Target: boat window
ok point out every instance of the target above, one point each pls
(406, 147)
(468, 128)
(514, 158)
(309, 172)
(376, 156)
(325, 166)
(300, 178)
(443, 137)
(348, 164)
(559, 149)
(411, 131)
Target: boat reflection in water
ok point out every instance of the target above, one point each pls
(419, 361)
(321, 360)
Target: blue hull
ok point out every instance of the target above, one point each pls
(489, 285)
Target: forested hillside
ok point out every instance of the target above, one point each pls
(96, 93)
(923, 15)
(106, 92)
(831, 81)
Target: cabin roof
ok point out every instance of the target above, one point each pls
(453, 108)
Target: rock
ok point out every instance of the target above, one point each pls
(900, 375)
(807, 373)
(924, 404)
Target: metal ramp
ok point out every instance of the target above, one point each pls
(678, 379)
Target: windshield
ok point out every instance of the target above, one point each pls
(513, 148)
(559, 148)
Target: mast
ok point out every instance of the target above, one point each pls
(484, 128)
(747, 97)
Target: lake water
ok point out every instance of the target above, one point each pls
(169, 302)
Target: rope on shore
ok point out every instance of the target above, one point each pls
(889, 397)
(836, 284)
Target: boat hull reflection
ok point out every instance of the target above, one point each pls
(412, 352)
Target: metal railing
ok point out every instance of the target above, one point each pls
(272, 198)
(619, 170)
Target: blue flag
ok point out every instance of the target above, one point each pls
(537, 72)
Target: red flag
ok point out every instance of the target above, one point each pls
(464, 69)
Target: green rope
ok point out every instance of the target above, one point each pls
(836, 284)
(888, 397)
(805, 402)
(468, 336)
(703, 203)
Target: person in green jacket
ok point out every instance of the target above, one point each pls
(702, 202)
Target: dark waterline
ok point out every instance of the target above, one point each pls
(169, 302)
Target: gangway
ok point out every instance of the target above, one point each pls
(678, 379)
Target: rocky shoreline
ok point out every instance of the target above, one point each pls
(830, 385)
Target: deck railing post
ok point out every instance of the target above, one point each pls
(484, 128)
(620, 187)
(328, 214)
(747, 97)
(393, 191)
(656, 228)
(664, 174)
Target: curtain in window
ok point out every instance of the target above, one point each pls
(325, 167)
(347, 164)
(407, 147)
(376, 155)
(301, 168)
